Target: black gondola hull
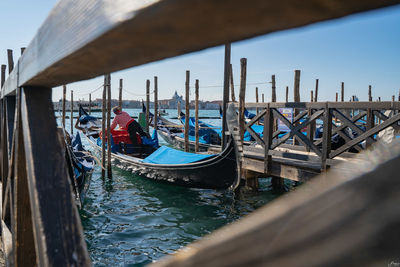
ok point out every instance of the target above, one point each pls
(218, 172)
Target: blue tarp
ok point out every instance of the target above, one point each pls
(167, 155)
(257, 128)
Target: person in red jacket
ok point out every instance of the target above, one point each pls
(125, 121)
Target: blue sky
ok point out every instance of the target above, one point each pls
(359, 50)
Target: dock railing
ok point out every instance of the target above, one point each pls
(341, 118)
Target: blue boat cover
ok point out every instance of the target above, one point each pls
(168, 155)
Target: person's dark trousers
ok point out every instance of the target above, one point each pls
(134, 128)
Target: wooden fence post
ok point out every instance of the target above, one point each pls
(197, 115)
(109, 171)
(326, 137)
(10, 60)
(148, 106)
(72, 113)
(232, 85)
(120, 94)
(103, 129)
(267, 136)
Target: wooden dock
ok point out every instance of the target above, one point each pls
(273, 156)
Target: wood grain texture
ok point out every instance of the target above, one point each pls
(57, 231)
(67, 46)
(343, 220)
(24, 252)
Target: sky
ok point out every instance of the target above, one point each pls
(359, 50)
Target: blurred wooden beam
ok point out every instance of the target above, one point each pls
(130, 33)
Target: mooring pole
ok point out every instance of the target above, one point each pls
(310, 127)
(148, 106)
(242, 95)
(370, 93)
(155, 103)
(342, 93)
(103, 129)
(63, 105)
(109, 171)
(225, 95)
(296, 89)
(316, 90)
(120, 94)
(273, 88)
(337, 96)
(72, 113)
(90, 104)
(187, 115)
(257, 109)
(10, 60)
(3, 74)
(232, 85)
(22, 50)
(179, 109)
(196, 93)
(262, 98)
(287, 94)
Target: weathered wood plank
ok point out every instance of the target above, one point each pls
(57, 231)
(24, 252)
(131, 33)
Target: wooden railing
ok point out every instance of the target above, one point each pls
(337, 118)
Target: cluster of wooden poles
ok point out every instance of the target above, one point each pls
(106, 118)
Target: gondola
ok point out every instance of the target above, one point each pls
(81, 167)
(177, 167)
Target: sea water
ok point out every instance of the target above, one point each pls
(132, 221)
